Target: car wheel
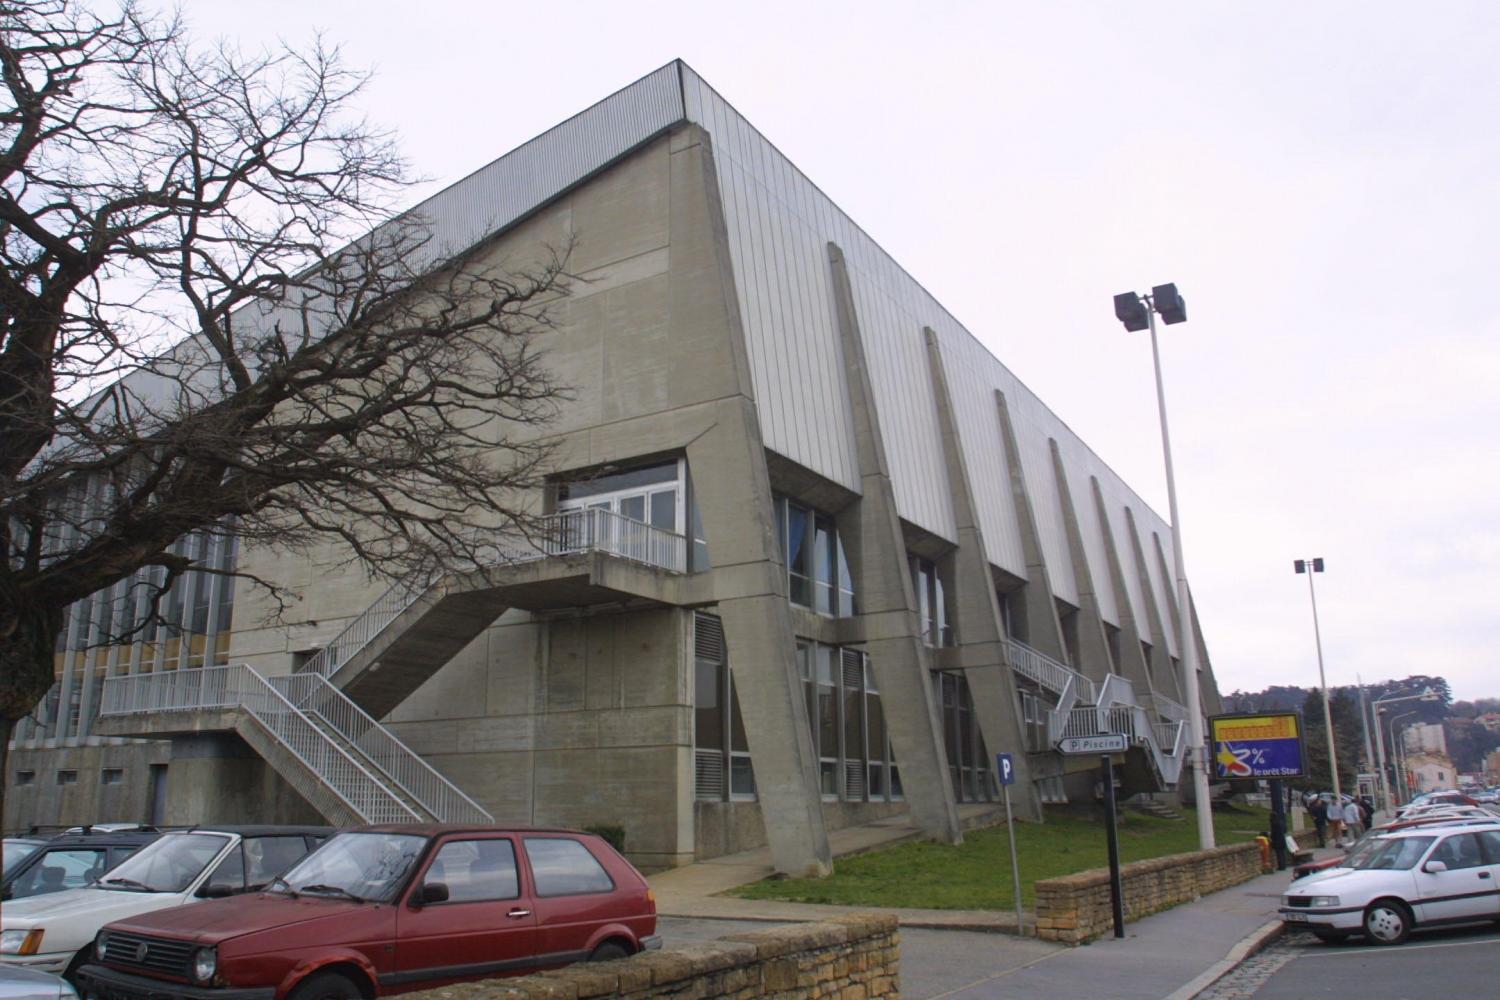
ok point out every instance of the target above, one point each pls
(1387, 921)
(326, 986)
(85, 954)
(609, 951)
(1331, 937)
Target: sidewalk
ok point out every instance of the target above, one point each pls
(1174, 954)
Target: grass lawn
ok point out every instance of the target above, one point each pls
(976, 874)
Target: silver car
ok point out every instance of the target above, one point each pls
(17, 983)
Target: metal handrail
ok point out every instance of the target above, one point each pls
(241, 687)
(422, 783)
(565, 533)
(1047, 672)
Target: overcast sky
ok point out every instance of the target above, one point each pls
(1320, 180)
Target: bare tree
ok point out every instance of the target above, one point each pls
(213, 320)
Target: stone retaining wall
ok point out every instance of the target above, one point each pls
(1076, 908)
(855, 957)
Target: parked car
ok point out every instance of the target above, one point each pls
(55, 933)
(28, 984)
(384, 909)
(1412, 878)
(73, 860)
(14, 850)
(1345, 860)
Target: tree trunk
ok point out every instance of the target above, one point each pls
(27, 642)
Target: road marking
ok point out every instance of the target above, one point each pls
(1398, 950)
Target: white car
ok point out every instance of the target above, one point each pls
(1421, 877)
(55, 932)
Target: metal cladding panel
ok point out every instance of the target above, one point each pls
(1034, 425)
(1114, 508)
(973, 376)
(497, 195)
(1079, 467)
(778, 247)
(896, 353)
(490, 199)
(1159, 569)
(779, 224)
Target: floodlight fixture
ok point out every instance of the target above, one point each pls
(1170, 305)
(1302, 565)
(1131, 310)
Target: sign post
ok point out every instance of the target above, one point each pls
(1116, 889)
(1105, 744)
(1006, 766)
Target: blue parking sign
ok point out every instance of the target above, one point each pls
(1007, 768)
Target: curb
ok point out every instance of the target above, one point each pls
(1249, 945)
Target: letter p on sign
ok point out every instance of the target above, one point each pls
(1007, 768)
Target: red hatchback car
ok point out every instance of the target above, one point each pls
(383, 909)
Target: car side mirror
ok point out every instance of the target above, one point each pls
(1435, 867)
(216, 890)
(432, 892)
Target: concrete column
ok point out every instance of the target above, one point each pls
(218, 778)
(733, 490)
(882, 586)
(1132, 659)
(981, 632)
(1094, 659)
(1037, 607)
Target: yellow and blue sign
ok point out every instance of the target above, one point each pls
(1262, 745)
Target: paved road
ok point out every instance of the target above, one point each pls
(934, 963)
(1454, 963)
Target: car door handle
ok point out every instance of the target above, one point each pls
(1484, 874)
(517, 913)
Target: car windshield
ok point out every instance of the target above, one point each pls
(169, 864)
(1393, 853)
(1362, 849)
(363, 865)
(16, 851)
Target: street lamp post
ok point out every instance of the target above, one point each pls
(1426, 694)
(1398, 784)
(1311, 566)
(1139, 312)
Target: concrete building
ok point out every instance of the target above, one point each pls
(814, 555)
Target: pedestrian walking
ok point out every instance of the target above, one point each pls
(1352, 820)
(1336, 822)
(1318, 810)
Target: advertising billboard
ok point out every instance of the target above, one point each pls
(1258, 745)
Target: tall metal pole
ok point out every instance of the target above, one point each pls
(1187, 646)
(1398, 751)
(1385, 786)
(1333, 761)
(1364, 722)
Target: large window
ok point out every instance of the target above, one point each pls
(721, 754)
(848, 726)
(932, 602)
(968, 763)
(818, 574)
(658, 495)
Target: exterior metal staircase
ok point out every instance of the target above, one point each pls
(305, 753)
(420, 624)
(1086, 708)
(315, 726)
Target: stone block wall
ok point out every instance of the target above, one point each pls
(1076, 908)
(855, 957)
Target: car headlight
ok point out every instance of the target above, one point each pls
(205, 964)
(19, 942)
(1323, 901)
(101, 945)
